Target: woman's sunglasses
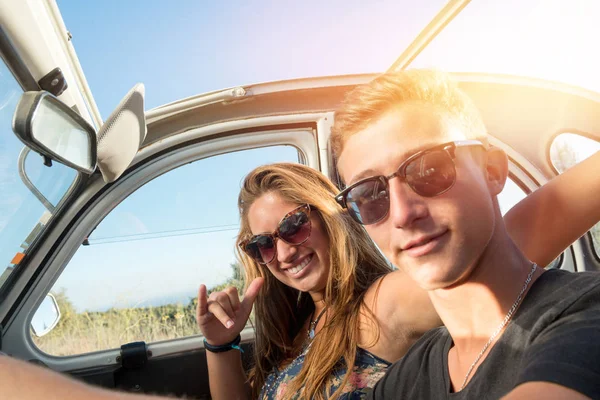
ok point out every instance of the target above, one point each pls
(294, 229)
(428, 173)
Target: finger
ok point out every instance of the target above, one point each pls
(202, 306)
(251, 293)
(217, 310)
(234, 297)
(223, 299)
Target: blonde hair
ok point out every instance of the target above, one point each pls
(366, 103)
(281, 311)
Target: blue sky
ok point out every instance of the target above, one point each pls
(183, 48)
(187, 47)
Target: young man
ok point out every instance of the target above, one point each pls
(420, 176)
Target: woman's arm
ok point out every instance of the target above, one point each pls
(226, 375)
(547, 221)
(221, 317)
(403, 312)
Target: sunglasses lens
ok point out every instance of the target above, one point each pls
(295, 229)
(369, 202)
(431, 174)
(261, 248)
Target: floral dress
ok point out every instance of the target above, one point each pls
(368, 369)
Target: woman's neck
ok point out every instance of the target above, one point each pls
(318, 299)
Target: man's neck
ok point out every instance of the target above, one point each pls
(474, 309)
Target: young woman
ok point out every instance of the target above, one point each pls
(313, 274)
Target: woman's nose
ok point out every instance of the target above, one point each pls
(286, 252)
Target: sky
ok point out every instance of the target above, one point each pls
(547, 39)
(190, 47)
(187, 47)
(159, 244)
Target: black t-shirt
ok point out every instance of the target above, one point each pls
(554, 337)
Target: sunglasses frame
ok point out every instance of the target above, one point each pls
(449, 147)
(275, 235)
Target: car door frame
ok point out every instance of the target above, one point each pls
(87, 210)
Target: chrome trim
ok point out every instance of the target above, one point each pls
(27, 182)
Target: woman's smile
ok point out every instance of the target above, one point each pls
(296, 270)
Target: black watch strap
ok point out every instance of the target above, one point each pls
(235, 344)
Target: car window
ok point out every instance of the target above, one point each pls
(136, 277)
(510, 195)
(23, 216)
(568, 149)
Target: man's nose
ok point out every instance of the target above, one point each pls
(406, 206)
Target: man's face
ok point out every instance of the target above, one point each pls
(437, 240)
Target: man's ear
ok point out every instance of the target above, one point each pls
(496, 169)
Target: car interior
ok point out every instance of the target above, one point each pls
(161, 171)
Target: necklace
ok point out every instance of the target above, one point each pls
(501, 326)
(313, 324)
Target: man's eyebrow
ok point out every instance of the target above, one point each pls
(368, 173)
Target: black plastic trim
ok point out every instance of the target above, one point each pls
(54, 82)
(15, 63)
(134, 355)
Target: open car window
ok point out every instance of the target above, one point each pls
(136, 276)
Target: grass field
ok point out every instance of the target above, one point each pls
(85, 332)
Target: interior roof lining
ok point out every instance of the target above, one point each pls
(518, 111)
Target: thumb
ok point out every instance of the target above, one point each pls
(251, 294)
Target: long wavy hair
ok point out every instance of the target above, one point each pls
(281, 311)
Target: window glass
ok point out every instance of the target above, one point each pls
(137, 279)
(511, 195)
(569, 149)
(23, 217)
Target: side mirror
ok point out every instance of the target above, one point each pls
(49, 127)
(46, 316)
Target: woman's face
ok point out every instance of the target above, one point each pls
(304, 267)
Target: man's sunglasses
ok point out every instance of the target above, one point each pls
(428, 173)
(294, 229)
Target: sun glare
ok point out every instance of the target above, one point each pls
(549, 39)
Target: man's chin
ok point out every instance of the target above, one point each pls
(431, 276)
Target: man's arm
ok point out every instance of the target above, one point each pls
(560, 211)
(23, 381)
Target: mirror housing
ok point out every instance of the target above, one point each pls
(46, 316)
(48, 126)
